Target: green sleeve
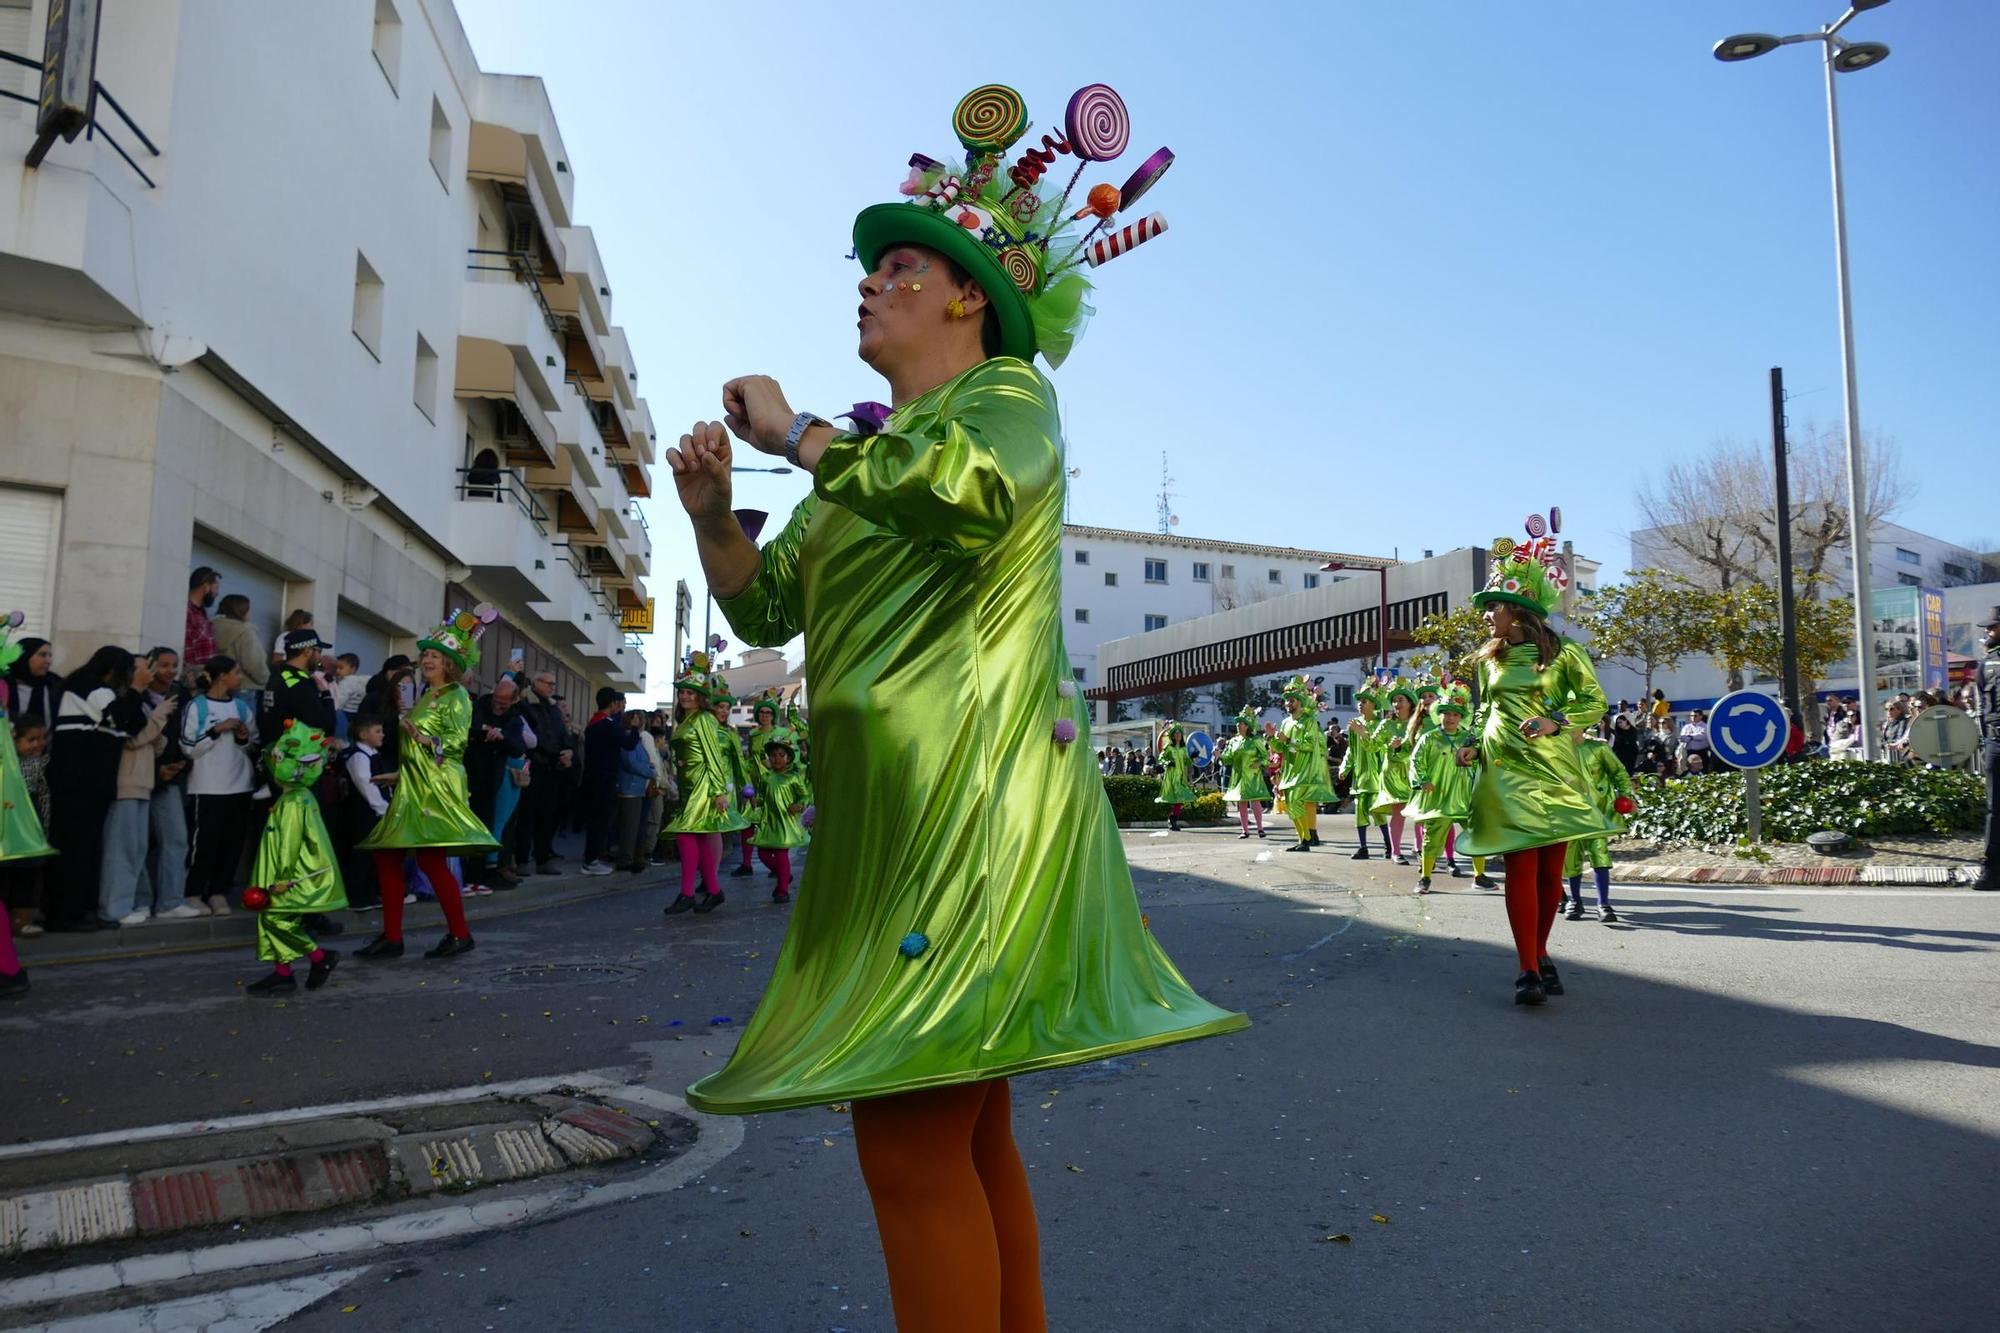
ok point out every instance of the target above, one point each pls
(1577, 679)
(955, 485)
(771, 611)
(448, 719)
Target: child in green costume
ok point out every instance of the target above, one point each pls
(1611, 785)
(783, 797)
(297, 872)
(1362, 767)
(1245, 756)
(1175, 789)
(1440, 786)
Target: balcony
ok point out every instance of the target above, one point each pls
(503, 156)
(570, 500)
(619, 371)
(576, 433)
(639, 546)
(489, 370)
(501, 531)
(583, 281)
(501, 303)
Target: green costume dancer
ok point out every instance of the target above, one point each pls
(1392, 743)
(1303, 780)
(1440, 786)
(297, 871)
(764, 722)
(1612, 786)
(709, 763)
(783, 797)
(1362, 767)
(1246, 756)
(1175, 790)
(21, 837)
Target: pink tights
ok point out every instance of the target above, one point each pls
(9, 962)
(1243, 809)
(1396, 831)
(778, 860)
(703, 851)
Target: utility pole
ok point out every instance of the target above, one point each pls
(1788, 629)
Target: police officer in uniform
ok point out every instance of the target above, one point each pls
(1989, 730)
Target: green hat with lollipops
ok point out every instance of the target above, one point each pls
(1004, 226)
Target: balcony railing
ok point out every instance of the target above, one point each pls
(503, 485)
(95, 127)
(639, 516)
(521, 265)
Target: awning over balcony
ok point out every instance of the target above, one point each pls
(487, 369)
(568, 496)
(498, 154)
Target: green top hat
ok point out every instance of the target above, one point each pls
(1456, 698)
(458, 637)
(1519, 579)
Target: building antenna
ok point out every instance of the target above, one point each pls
(1169, 520)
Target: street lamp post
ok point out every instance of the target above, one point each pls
(1842, 57)
(1381, 611)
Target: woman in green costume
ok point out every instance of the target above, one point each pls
(1303, 780)
(297, 871)
(763, 722)
(984, 923)
(1612, 786)
(1441, 787)
(1393, 742)
(1245, 756)
(430, 812)
(1175, 790)
(707, 777)
(742, 788)
(1538, 695)
(783, 797)
(1362, 767)
(21, 837)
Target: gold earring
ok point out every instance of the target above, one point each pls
(955, 308)
(916, 286)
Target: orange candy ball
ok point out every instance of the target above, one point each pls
(1103, 200)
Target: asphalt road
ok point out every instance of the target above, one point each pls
(1763, 1109)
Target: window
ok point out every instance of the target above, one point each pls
(1110, 580)
(1155, 622)
(1156, 571)
(1910, 580)
(1082, 615)
(1083, 557)
(1952, 571)
(388, 41)
(1343, 696)
(1312, 580)
(1904, 557)
(368, 305)
(441, 144)
(427, 380)
(1274, 576)
(1082, 674)
(1229, 571)
(1201, 571)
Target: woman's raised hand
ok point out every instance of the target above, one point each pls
(701, 470)
(756, 410)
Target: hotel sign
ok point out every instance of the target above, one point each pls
(637, 619)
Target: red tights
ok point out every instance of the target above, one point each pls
(778, 860)
(700, 853)
(953, 1208)
(1534, 895)
(389, 874)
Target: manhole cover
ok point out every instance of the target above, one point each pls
(564, 974)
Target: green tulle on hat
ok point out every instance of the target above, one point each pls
(1300, 689)
(1455, 698)
(784, 736)
(1522, 583)
(1249, 717)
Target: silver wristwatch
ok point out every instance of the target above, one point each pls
(801, 423)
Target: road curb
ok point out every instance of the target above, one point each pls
(1912, 876)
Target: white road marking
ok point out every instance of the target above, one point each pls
(238, 1310)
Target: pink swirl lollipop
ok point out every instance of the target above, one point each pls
(1142, 180)
(1535, 526)
(1099, 126)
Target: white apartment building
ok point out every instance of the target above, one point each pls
(332, 330)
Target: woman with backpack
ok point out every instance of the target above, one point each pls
(219, 733)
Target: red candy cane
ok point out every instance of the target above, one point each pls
(1126, 238)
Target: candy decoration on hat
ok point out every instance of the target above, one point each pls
(1126, 238)
(458, 638)
(1536, 526)
(1101, 203)
(990, 118)
(1555, 519)
(1018, 262)
(1099, 126)
(1035, 161)
(1145, 177)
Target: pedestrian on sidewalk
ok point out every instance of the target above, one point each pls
(1987, 684)
(128, 819)
(198, 636)
(605, 740)
(1530, 797)
(496, 759)
(635, 779)
(704, 775)
(960, 823)
(219, 733)
(653, 740)
(163, 882)
(783, 796)
(84, 759)
(429, 813)
(1245, 756)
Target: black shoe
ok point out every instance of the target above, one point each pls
(1457, 872)
(83, 925)
(1484, 882)
(13, 983)
(273, 985)
(1243, 837)
(1173, 826)
(684, 903)
(1260, 833)
(740, 872)
(1606, 915)
(1528, 989)
(451, 946)
(1401, 859)
(1300, 847)
(1574, 912)
(318, 923)
(504, 885)
(547, 868)
(380, 947)
(781, 895)
(1424, 884)
(316, 977)
(708, 902)
(1315, 839)
(1552, 982)
(1360, 853)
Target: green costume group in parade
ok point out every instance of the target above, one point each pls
(1303, 779)
(1611, 787)
(1441, 786)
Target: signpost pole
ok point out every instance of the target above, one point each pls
(1753, 805)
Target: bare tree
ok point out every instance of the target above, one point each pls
(1718, 512)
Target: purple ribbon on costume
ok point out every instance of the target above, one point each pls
(868, 418)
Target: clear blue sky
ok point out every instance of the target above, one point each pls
(1431, 265)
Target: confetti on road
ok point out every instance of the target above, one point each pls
(1378, 1217)
(1341, 1238)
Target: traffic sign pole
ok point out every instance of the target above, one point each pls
(1753, 805)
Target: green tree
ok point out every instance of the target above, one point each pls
(1649, 622)
(1233, 696)
(1452, 642)
(1171, 704)
(1743, 633)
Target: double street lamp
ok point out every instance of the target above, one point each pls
(1842, 57)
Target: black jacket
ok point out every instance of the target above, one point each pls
(294, 695)
(484, 759)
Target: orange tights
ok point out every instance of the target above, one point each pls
(952, 1204)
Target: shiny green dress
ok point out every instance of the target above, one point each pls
(973, 914)
(429, 806)
(296, 861)
(1392, 776)
(21, 837)
(1533, 793)
(1245, 757)
(777, 793)
(705, 771)
(1434, 759)
(1608, 781)
(1362, 767)
(1302, 771)
(1174, 786)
